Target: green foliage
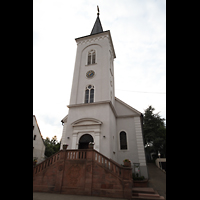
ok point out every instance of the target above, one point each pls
(52, 146)
(154, 131)
(126, 160)
(136, 177)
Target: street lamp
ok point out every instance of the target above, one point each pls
(159, 160)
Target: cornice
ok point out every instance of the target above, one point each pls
(87, 104)
(64, 119)
(87, 37)
(126, 116)
(101, 102)
(96, 37)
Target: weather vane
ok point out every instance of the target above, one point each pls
(98, 10)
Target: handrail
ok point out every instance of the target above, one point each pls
(76, 154)
(82, 154)
(72, 154)
(115, 163)
(47, 162)
(108, 163)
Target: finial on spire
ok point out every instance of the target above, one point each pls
(97, 28)
(98, 10)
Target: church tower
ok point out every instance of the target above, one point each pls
(95, 114)
(92, 94)
(93, 79)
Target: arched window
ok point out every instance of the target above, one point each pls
(89, 94)
(91, 57)
(123, 140)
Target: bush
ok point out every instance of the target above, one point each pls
(136, 177)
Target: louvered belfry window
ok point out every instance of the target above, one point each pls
(91, 57)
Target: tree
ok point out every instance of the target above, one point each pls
(52, 146)
(154, 131)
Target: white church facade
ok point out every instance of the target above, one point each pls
(95, 114)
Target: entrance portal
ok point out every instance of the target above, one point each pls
(84, 141)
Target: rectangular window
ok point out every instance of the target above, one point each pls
(34, 137)
(89, 59)
(91, 95)
(123, 140)
(93, 58)
(86, 96)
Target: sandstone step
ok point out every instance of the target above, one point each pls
(146, 195)
(143, 190)
(147, 198)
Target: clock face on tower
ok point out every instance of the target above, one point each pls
(90, 74)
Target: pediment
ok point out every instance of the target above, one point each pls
(86, 122)
(123, 109)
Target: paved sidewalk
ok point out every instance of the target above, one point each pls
(157, 179)
(53, 196)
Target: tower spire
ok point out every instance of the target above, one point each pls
(97, 28)
(98, 10)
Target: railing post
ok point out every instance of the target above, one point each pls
(88, 174)
(89, 154)
(128, 181)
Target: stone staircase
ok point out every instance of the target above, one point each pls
(145, 193)
(83, 172)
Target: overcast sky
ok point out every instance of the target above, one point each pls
(138, 30)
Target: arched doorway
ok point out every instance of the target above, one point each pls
(84, 141)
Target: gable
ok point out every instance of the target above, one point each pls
(86, 122)
(123, 109)
(36, 129)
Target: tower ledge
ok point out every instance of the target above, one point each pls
(96, 37)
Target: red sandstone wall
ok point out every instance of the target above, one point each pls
(82, 177)
(105, 183)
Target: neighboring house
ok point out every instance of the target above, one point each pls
(95, 114)
(38, 143)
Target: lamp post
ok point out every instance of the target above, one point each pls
(159, 160)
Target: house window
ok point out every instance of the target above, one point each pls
(34, 137)
(89, 94)
(91, 57)
(123, 140)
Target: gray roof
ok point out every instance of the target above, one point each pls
(97, 28)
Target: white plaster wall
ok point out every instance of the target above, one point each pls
(113, 136)
(100, 112)
(135, 151)
(127, 124)
(140, 143)
(140, 147)
(102, 77)
(39, 147)
(123, 110)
